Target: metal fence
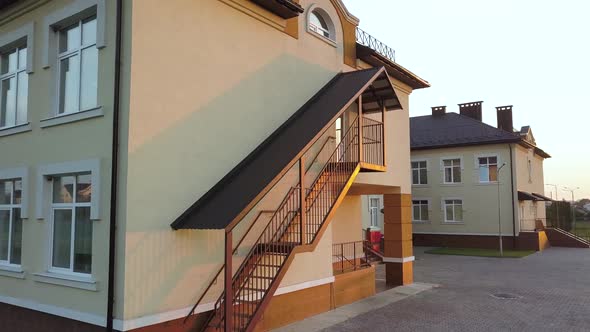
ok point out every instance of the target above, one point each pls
(373, 43)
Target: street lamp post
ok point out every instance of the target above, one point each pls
(499, 213)
(556, 205)
(571, 190)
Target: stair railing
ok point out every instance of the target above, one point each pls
(246, 296)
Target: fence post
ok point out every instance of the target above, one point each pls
(229, 308)
(302, 202)
(360, 129)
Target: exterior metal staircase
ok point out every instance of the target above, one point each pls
(286, 234)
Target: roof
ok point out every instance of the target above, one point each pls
(218, 208)
(452, 129)
(394, 69)
(542, 197)
(525, 196)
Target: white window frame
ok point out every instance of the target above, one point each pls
(53, 24)
(15, 74)
(318, 32)
(21, 173)
(10, 207)
(444, 210)
(72, 207)
(442, 168)
(477, 166)
(45, 172)
(412, 167)
(23, 36)
(429, 207)
(371, 208)
(76, 52)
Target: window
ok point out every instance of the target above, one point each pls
(11, 226)
(71, 240)
(420, 210)
(488, 169)
(530, 169)
(320, 24)
(338, 130)
(14, 87)
(453, 209)
(452, 170)
(374, 205)
(419, 172)
(78, 67)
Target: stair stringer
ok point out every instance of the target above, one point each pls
(302, 249)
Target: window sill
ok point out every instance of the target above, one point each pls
(421, 221)
(15, 130)
(72, 117)
(452, 223)
(491, 183)
(12, 271)
(456, 184)
(86, 283)
(420, 186)
(322, 38)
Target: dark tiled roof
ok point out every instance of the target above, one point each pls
(452, 129)
(232, 194)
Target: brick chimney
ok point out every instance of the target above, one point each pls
(472, 110)
(439, 110)
(504, 114)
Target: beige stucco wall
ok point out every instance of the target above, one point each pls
(347, 222)
(530, 182)
(214, 95)
(480, 201)
(87, 139)
(397, 140)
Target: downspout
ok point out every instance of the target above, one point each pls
(114, 170)
(512, 168)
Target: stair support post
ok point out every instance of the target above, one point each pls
(383, 109)
(302, 202)
(360, 129)
(229, 294)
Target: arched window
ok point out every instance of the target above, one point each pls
(320, 23)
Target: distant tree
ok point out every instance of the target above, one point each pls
(564, 220)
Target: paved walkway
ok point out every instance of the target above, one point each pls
(551, 291)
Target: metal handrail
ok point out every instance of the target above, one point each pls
(373, 43)
(310, 164)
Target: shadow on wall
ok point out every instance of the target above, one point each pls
(166, 269)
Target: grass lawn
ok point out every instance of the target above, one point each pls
(480, 252)
(582, 229)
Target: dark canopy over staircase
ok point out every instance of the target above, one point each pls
(300, 219)
(230, 197)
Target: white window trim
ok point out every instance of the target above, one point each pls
(443, 207)
(80, 281)
(26, 32)
(329, 21)
(43, 194)
(427, 172)
(96, 112)
(442, 168)
(75, 11)
(429, 200)
(476, 164)
(21, 173)
(379, 198)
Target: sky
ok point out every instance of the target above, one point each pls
(533, 54)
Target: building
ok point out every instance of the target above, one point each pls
(151, 145)
(471, 180)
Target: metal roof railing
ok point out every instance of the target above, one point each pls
(373, 43)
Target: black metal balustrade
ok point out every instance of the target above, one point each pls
(373, 43)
